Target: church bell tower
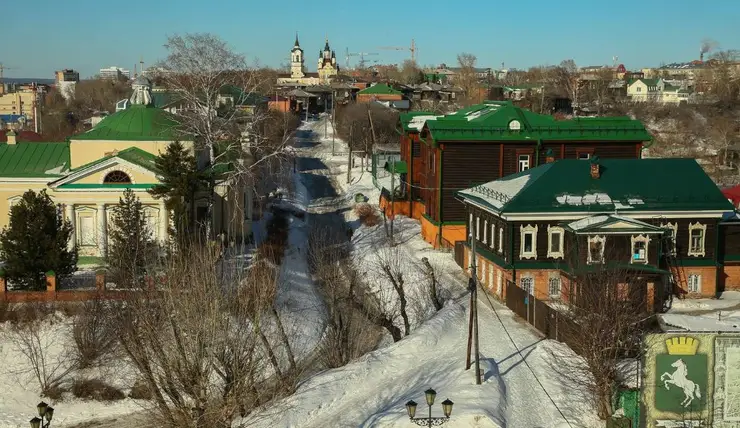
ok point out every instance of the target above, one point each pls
(297, 69)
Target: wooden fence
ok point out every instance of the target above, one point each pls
(549, 321)
(54, 293)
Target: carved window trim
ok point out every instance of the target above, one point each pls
(501, 239)
(673, 227)
(485, 231)
(555, 254)
(593, 239)
(526, 283)
(554, 280)
(634, 240)
(691, 250)
(693, 283)
(523, 232)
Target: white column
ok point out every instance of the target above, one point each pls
(69, 214)
(102, 231)
(164, 221)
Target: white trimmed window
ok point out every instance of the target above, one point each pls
(672, 232)
(639, 249)
(485, 230)
(470, 232)
(596, 249)
(528, 243)
(493, 236)
(553, 287)
(500, 239)
(694, 283)
(555, 241)
(527, 284)
(477, 228)
(523, 162)
(697, 233)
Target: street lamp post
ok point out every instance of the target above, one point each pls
(43, 420)
(430, 421)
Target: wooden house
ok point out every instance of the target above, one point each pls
(492, 140)
(659, 218)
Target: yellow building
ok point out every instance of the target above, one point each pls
(19, 103)
(87, 175)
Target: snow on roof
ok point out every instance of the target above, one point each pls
(597, 198)
(503, 192)
(418, 122)
(722, 321)
(588, 221)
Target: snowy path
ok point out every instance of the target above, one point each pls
(372, 391)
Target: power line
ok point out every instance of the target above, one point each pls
(518, 351)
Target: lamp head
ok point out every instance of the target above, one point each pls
(411, 408)
(430, 395)
(41, 407)
(447, 407)
(35, 422)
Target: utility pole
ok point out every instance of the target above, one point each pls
(349, 153)
(473, 323)
(333, 121)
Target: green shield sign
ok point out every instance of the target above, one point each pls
(681, 383)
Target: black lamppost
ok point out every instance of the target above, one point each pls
(43, 420)
(430, 421)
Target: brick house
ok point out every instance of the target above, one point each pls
(659, 218)
(447, 153)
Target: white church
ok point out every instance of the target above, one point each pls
(327, 67)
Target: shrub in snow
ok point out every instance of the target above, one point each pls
(94, 332)
(96, 389)
(367, 214)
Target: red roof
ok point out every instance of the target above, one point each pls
(733, 194)
(22, 136)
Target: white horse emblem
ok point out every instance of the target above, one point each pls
(678, 378)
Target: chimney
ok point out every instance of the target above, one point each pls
(701, 56)
(11, 137)
(549, 158)
(595, 168)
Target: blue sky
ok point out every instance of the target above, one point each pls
(40, 36)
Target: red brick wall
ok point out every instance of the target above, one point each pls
(731, 277)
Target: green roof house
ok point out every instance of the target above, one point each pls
(654, 223)
(494, 139)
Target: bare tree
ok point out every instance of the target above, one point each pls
(212, 81)
(94, 332)
(467, 77)
(389, 262)
(356, 118)
(194, 340)
(48, 364)
(604, 317)
(564, 79)
(433, 287)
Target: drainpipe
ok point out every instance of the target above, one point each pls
(719, 265)
(511, 253)
(537, 152)
(439, 201)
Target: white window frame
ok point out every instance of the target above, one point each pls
(524, 164)
(485, 230)
(477, 228)
(550, 281)
(693, 283)
(500, 239)
(470, 232)
(592, 239)
(529, 288)
(86, 212)
(700, 252)
(673, 227)
(635, 239)
(523, 231)
(493, 235)
(550, 231)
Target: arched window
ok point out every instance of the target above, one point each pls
(117, 177)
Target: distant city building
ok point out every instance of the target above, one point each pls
(65, 81)
(114, 73)
(656, 90)
(18, 109)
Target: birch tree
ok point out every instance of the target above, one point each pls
(212, 81)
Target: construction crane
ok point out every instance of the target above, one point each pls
(402, 48)
(362, 56)
(3, 68)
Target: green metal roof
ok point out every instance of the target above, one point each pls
(136, 123)
(34, 159)
(398, 167)
(405, 118)
(624, 186)
(134, 155)
(492, 121)
(379, 89)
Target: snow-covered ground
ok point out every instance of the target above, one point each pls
(19, 390)
(523, 385)
(721, 314)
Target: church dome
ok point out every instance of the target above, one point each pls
(142, 81)
(136, 123)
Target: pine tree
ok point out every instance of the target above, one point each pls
(36, 241)
(131, 247)
(180, 179)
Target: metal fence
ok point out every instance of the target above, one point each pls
(78, 281)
